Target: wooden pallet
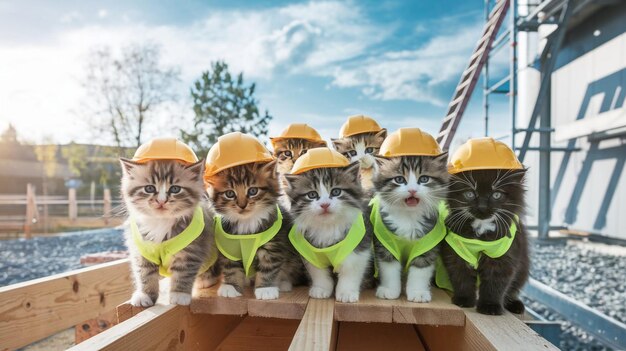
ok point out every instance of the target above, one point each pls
(297, 322)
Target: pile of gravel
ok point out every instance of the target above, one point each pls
(22, 260)
(585, 273)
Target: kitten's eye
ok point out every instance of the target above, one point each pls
(312, 195)
(352, 153)
(287, 153)
(150, 189)
(303, 152)
(423, 179)
(174, 189)
(470, 195)
(253, 191)
(497, 195)
(230, 194)
(399, 180)
(335, 192)
(369, 150)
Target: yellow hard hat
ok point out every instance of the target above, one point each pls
(409, 142)
(358, 124)
(483, 153)
(165, 149)
(298, 131)
(235, 149)
(319, 157)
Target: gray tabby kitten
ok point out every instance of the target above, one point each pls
(324, 203)
(246, 197)
(161, 196)
(363, 148)
(410, 189)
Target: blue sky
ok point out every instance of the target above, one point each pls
(313, 61)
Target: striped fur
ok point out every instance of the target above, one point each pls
(161, 213)
(246, 211)
(287, 151)
(362, 147)
(339, 189)
(410, 189)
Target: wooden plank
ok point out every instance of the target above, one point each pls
(437, 337)
(439, 311)
(38, 308)
(125, 310)
(207, 301)
(377, 336)
(290, 305)
(368, 309)
(317, 330)
(164, 327)
(505, 332)
(256, 333)
(94, 326)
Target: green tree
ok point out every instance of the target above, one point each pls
(223, 104)
(76, 156)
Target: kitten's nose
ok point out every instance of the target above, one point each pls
(412, 192)
(161, 202)
(325, 205)
(242, 205)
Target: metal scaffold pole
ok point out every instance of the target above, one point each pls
(513, 70)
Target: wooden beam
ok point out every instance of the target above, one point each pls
(439, 311)
(262, 334)
(38, 308)
(377, 336)
(368, 309)
(290, 305)
(164, 327)
(207, 301)
(317, 330)
(94, 326)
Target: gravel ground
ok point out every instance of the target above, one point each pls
(22, 260)
(591, 273)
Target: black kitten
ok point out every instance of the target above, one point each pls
(483, 204)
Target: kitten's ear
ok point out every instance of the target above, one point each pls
(381, 161)
(269, 168)
(442, 158)
(128, 165)
(519, 174)
(320, 144)
(381, 134)
(196, 168)
(291, 179)
(354, 170)
(338, 143)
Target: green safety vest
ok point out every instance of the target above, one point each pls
(406, 250)
(332, 256)
(243, 247)
(470, 250)
(162, 253)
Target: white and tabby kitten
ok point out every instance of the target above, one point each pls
(362, 148)
(410, 189)
(246, 197)
(161, 196)
(324, 204)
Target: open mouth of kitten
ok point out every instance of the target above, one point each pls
(412, 201)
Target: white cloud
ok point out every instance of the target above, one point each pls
(102, 13)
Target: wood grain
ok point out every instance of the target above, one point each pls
(377, 336)
(207, 301)
(439, 311)
(317, 330)
(368, 309)
(262, 334)
(38, 308)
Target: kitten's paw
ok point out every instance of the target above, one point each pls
(227, 290)
(141, 299)
(464, 301)
(515, 306)
(383, 292)
(347, 296)
(285, 286)
(494, 309)
(418, 295)
(269, 293)
(203, 282)
(318, 292)
(180, 298)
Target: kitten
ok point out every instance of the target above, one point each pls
(411, 190)
(362, 147)
(325, 202)
(161, 197)
(483, 204)
(287, 151)
(245, 197)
